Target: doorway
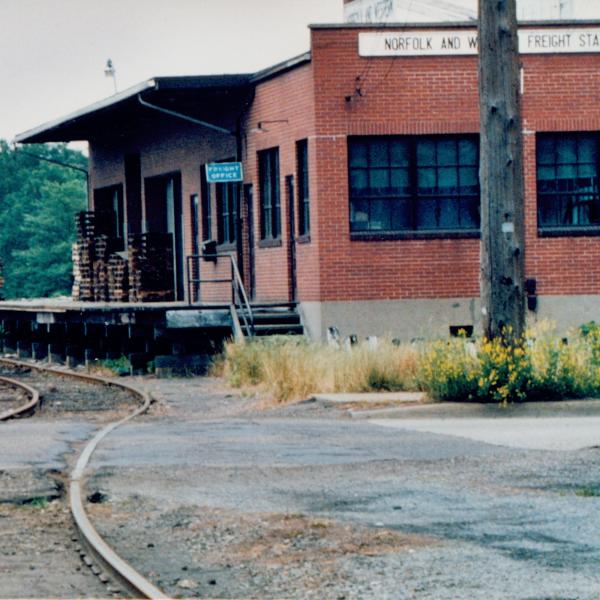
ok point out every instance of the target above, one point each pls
(164, 215)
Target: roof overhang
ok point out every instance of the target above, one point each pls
(199, 97)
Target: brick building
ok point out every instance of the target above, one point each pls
(360, 193)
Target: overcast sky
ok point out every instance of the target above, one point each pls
(53, 52)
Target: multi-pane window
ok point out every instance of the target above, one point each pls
(270, 205)
(413, 183)
(567, 180)
(227, 209)
(303, 196)
(206, 205)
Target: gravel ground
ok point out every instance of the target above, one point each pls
(216, 553)
(11, 397)
(213, 496)
(62, 396)
(220, 499)
(37, 553)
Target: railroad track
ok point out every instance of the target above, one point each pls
(93, 549)
(21, 409)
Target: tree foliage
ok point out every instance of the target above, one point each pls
(38, 200)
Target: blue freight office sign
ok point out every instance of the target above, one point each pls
(224, 172)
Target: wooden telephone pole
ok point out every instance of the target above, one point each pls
(501, 171)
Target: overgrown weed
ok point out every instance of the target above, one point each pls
(291, 368)
(540, 366)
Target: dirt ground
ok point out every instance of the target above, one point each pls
(211, 495)
(219, 498)
(38, 557)
(37, 552)
(201, 552)
(11, 397)
(61, 396)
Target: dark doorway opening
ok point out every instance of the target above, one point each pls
(108, 206)
(164, 215)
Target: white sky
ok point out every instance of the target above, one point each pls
(53, 52)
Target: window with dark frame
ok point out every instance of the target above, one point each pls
(567, 180)
(227, 210)
(303, 193)
(413, 183)
(270, 203)
(206, 205)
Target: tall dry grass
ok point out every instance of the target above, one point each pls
(542, 366)
(291, 368)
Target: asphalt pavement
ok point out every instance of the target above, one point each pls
(511, 504)
(505, 504)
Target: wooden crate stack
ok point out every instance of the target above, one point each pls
(102, 274)
(83, 257)
(118, 279)
(100, 283)
(151, 267)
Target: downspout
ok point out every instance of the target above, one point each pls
(179, 115)
(238, 139)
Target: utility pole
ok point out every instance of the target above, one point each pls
(501, 171)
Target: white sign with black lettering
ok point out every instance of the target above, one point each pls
(464, 42)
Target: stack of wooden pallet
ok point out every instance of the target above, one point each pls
(151, 273)
(103, 274)
(100, 284)
(83, 257)
(118, 279)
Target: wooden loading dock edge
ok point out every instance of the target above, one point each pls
(175, 336)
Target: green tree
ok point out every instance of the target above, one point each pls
(38, 200)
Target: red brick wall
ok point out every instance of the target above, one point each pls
(165, 146)
(106, 168)
(420, 95)
(169, 145)
(436, 95)
(561, 94)
(288, 98)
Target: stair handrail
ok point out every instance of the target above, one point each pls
(239, 297)
(240, 291)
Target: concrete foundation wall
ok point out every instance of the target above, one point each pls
(429, 319)
(567, 311)
(403, 319)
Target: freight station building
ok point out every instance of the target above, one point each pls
(360, 193)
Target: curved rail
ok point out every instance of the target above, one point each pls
(121, 571)
(32, 404)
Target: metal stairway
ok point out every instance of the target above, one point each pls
(249, 319)
(281, 318)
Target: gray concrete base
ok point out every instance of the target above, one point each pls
(566, 311)
(401, 319)
(432, 318)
